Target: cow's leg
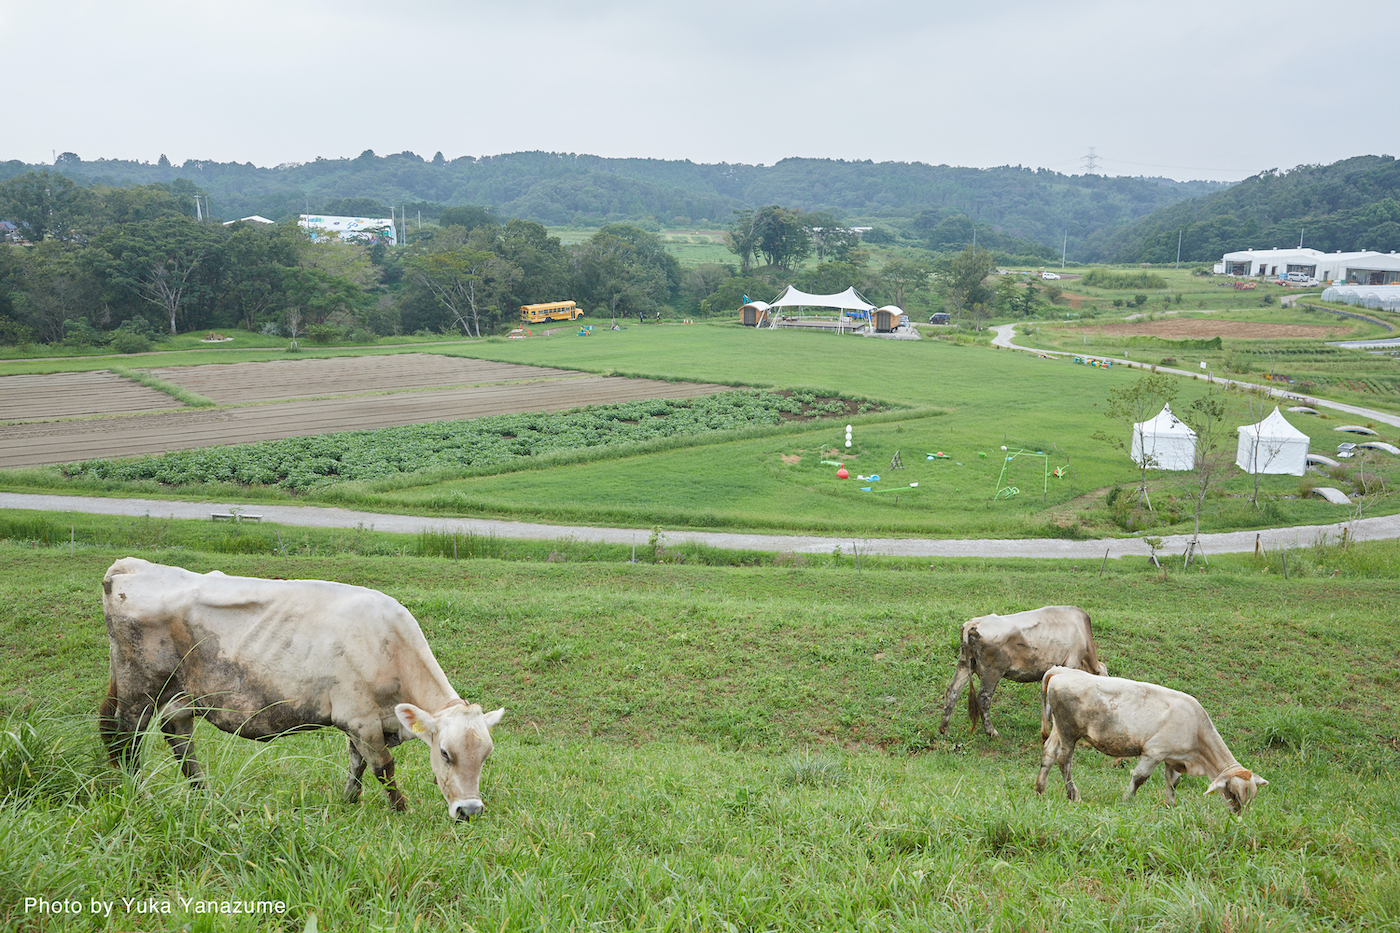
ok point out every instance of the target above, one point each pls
(1173, 776)
(988, 686)
(1141, 773)
(1058, 750)
(121, 725)
(177, 723)
(369, 743)
(386, 777)
(357, 771)
(955, 689)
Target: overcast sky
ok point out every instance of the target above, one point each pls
(1209, 89)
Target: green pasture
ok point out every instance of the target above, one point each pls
(717, 748)
(1303, 366)
(966, 401)
(963, 400)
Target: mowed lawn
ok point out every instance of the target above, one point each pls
(967, 402)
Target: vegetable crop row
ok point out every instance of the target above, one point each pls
(301, 463)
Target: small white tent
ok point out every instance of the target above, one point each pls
(1164, 442)
(1272, 446)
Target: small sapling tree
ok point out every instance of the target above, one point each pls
(1207, 417)
(1134, 403)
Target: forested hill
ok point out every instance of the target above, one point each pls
(935, 203)
(1349, 205)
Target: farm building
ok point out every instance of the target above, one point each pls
(1356, 268)
(1272, 446)
(350, 229)
(1164, 442)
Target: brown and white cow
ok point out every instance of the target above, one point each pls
(1020, 647)
(262, 658)
(1127, 718)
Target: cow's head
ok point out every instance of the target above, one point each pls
(1237, 787)
(459, 740)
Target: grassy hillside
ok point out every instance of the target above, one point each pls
(753, 748)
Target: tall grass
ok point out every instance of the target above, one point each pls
(745, 747)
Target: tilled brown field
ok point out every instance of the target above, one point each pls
(240, 383)
(1196, 328)
(75, 395)
(56, 424)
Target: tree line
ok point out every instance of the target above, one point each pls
(126, 265)
(1349, 205)
(1036, 208)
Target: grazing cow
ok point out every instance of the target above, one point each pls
(1020, 647)
(1124, 718)
(262, 658)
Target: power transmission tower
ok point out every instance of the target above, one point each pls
(1091, 162)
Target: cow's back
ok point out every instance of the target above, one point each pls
(1116, 715)
(1026, 644)
(264, 656)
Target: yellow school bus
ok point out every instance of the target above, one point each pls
(550, 311)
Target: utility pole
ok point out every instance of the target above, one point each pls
(1091, 162)
(1178, 248)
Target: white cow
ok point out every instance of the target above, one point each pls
(1127, 718)
(1020, 647)
(262, 658)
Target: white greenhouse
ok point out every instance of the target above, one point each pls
(1374, 297)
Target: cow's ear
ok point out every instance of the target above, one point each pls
(417, 721)
(1258, 781)
(494, 717)
(1217, 786)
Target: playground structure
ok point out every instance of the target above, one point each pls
(550, 311)
(1004, 488)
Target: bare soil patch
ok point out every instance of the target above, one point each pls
(1199, 328)
(75, 395)
(381, 397)
(240, 383)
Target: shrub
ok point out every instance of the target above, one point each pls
(323, 333)
(130, 342)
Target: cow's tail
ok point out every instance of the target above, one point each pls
(969, 658)
(109, 728)
(1045, 723)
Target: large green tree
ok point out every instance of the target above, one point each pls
(900, 278)
(625, 270)
(45, 204)
(469, 283)
(963, 280)
(159, 261)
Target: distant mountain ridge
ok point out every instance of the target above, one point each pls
(1075, 213)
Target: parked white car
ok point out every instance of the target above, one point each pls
(1049, 275)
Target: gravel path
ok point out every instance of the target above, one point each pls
(1366, 529)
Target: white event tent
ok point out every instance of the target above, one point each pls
(1164, 442)
(1272, 446)
(849, 300)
